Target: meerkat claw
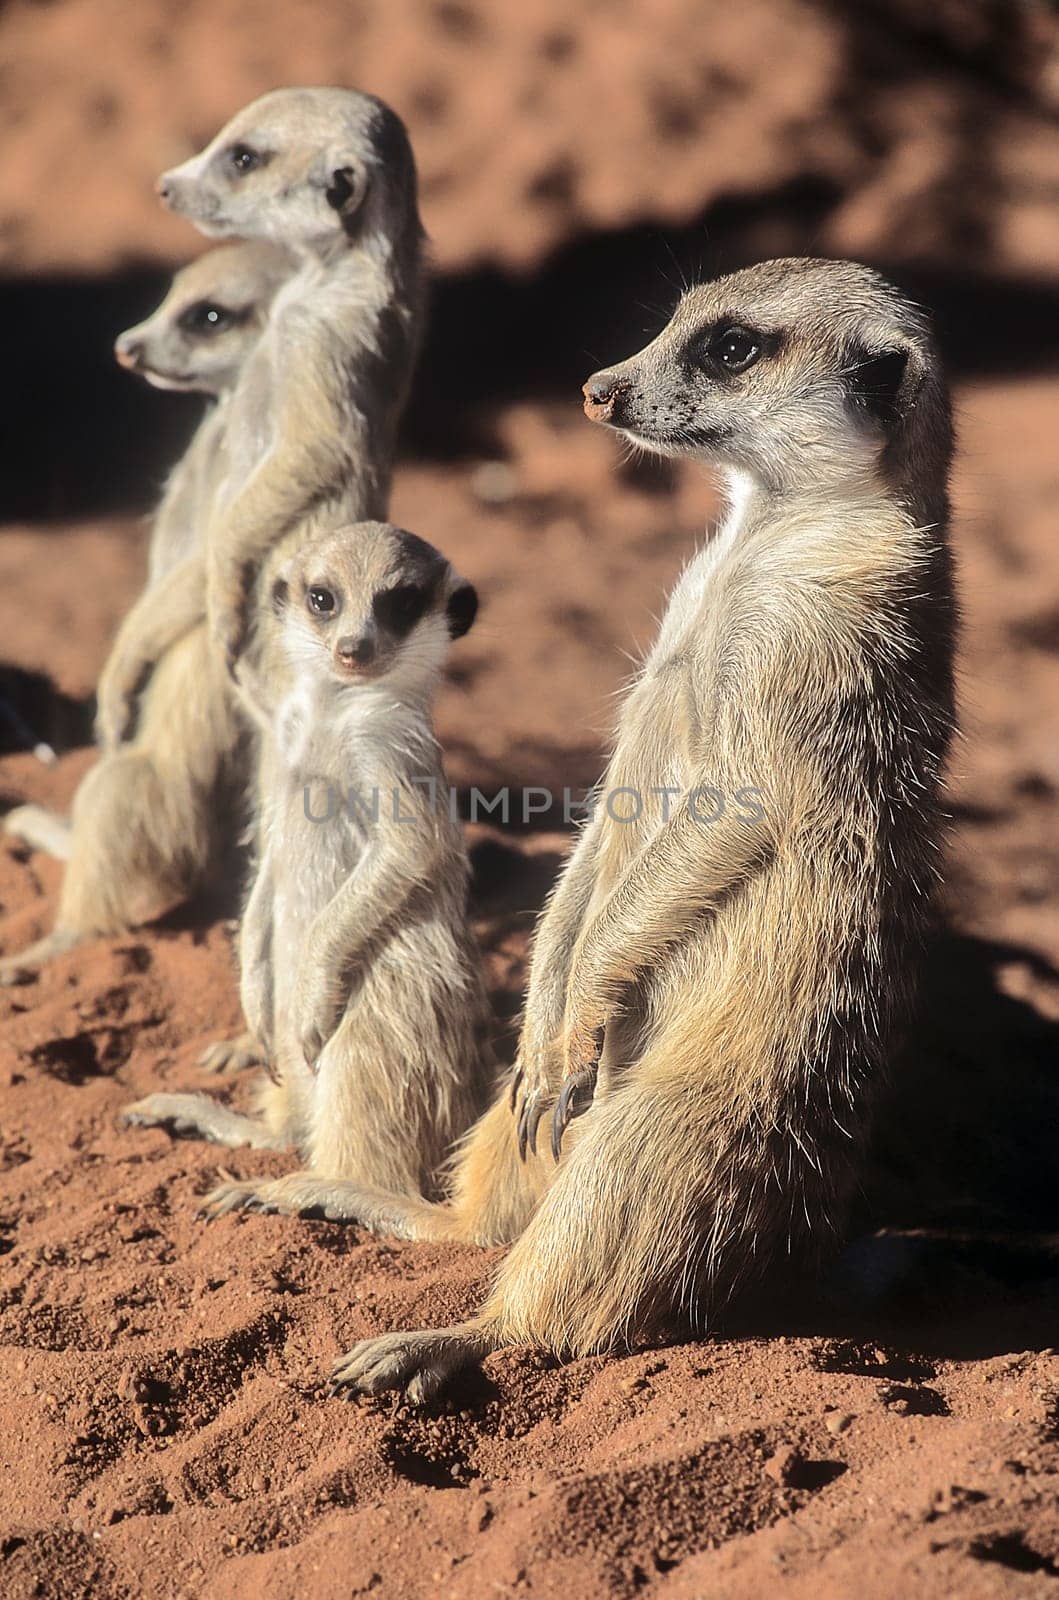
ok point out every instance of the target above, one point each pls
(516, 1085)
(533, 1109)
(570, 1105)
(238, 1195)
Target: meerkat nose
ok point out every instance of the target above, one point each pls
(128, 352)
(601, 393)
(165, 188)
(355, 652)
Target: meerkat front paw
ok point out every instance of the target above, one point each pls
(419, 1363)
(227, 605)
(583, 1050)
(114, 702)
(532, 1094)
(317, 1019)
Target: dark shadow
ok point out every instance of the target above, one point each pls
(33, 710)
(954, 1241)
(79, 437)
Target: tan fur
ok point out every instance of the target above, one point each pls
(718, 1000)
(153, 816)
(309, 439)
(359, 969)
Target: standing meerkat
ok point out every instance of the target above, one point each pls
(715, 990)
(197, 340)
(312, 428)
(359, 969)
(310, 434)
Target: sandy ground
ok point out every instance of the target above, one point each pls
(896, 1432)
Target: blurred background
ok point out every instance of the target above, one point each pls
(579, 160)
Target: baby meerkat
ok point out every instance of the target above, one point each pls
(715, 990)
(132, 845)
(359, 968)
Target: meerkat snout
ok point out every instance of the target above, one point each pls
(371, 602)
(355, 650)
(128, 351)
(602, 392)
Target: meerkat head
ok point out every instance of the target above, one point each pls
(301, 166)
(209, 321)
(790, 372)
(371, 603)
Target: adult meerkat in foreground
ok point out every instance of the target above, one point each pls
(310, 435)
(359, 969)
(719, 997)
(197, 340)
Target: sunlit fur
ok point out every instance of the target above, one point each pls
(309, 440)
(359, 969)
(313, 421)
(148, 818)
(750, 976)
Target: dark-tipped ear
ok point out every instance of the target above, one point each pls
(461, 610)
(280, 591)
(883, 383)
(345, 190)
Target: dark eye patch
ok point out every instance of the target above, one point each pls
(207, 317)
(400, 608)
(728, 347)
(243, 158)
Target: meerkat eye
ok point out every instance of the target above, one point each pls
(206, 317)
(321, 601)
(243, 159)
(736, 349)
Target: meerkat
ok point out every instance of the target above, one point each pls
(310, 435)
(312, 427)
(358, 964)
(715, 990)
(196, 341)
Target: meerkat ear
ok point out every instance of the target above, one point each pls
(280, 592)
(874, 380)
(345, 186)
(461, 610)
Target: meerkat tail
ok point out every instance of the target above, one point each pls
(40, 828)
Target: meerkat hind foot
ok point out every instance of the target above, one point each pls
(234, 1055)
(196, 1116)
(420, 1364)
(298, 1194)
